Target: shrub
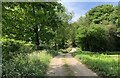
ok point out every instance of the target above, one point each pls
(68, 49)
(53, 52)
(92, 38)
(28, 65)
(63, 51)
(19, 59)
(11, 47)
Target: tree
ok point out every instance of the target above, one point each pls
(99, 13)
(92, 38)
(117, 39)
(105, 16)
(83, 21)
(72, 33)
(62, 33)
(31, 20)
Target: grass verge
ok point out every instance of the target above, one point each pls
(102, 64)
(27, 65)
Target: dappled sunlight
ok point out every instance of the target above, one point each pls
(56, 67)
(60, 64)
(41, 39)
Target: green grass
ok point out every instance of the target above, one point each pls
(30, 64)
(62, 51)
(102, 64)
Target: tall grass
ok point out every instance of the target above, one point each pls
(20, 59)
(100, 63)
(26, 65)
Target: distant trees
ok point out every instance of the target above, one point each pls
(92, 38)
(99, 13)
(99, 29)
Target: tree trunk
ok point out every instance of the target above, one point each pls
(36, 29)
(73, 43)
(63, 43)
(55, 46)
(36, 36)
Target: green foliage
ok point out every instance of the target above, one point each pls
(35, 22)
(118, 32)
(92, 38)
(99, 13)
(83, 21)
(63, 51)
(98, 30)
(72, 33)
(53, 52)
(48, 25)
(67, 50)
(117, 39)
(100, 63)
(12, 47)
(27, 65)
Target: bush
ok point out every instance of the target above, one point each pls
(117, 39)
(19, 59)
(92, 38)
(53, 52)
(11, 47)
(63, 51)
(68, 49)
(28, 65)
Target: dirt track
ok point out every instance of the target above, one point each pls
(57, 67)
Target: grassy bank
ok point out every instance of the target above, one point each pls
(20, 59)
(102, 64)
(29, 64)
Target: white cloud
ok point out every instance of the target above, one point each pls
(76, 9)
(81, 7)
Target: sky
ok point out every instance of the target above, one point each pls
(79, 8)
